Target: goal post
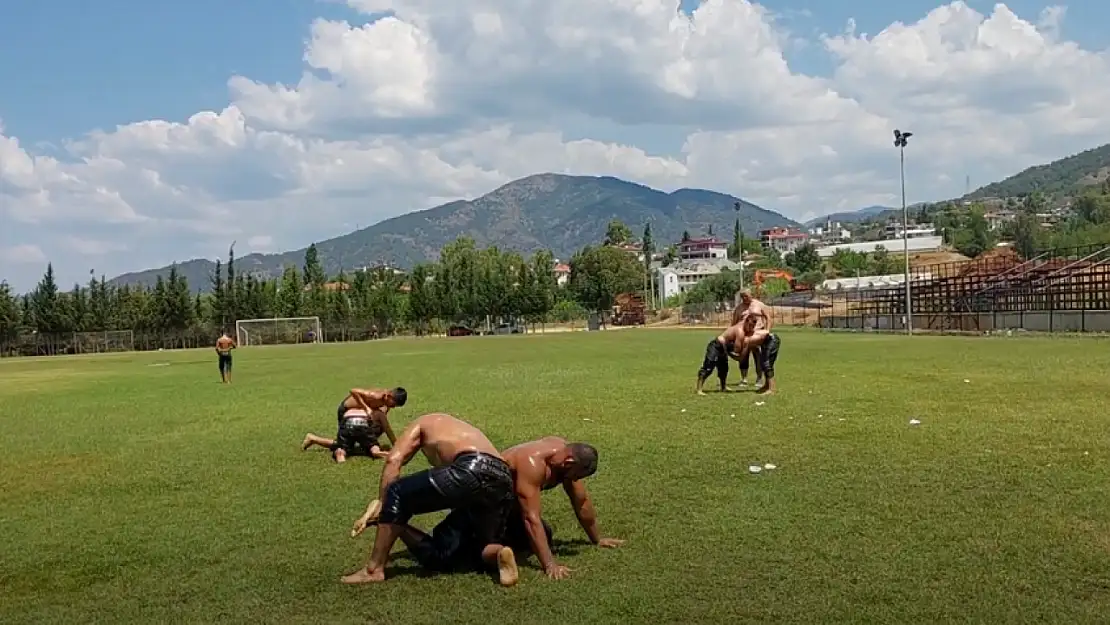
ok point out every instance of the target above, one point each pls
(105, 341)
(278, 331)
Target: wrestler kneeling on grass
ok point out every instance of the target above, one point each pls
(363, 417)
(468, 476)
(537, 466)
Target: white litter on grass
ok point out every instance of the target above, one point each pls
(1086, 453)
(760, 403)
(683, 410)
(841, 419)
(915, 422)
(820, 416)
(586, 419)
(755, 468)
(966, 381)
(770, 467)
(160, 364)
(733, 416)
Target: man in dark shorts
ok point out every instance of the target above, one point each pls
(358, 435)
(537, 466)
(747, 308)
(468, 474)
(716, 358)
(224, 345)
(768, 344)
(363, 416)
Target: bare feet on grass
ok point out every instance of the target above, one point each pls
(364, 576)
(307, 442)
(507, 572)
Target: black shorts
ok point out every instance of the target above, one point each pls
(716, 358)
(225, 363)
(455, 545)
(769, 353)
(477, 484)
(357, 436)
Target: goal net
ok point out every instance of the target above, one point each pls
(100, 342)
(279, 331)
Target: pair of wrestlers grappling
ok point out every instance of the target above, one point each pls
(494, 497)
(749, 336)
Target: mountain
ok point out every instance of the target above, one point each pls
(1067, 176)
(545, 211)
(849, 217)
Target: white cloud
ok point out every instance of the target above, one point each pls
(431, 100)
(25, 254)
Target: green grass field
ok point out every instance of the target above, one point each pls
(136, 488)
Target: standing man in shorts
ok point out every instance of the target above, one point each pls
(468, 474)
(224, 345)
(768, 345)
(752, 307)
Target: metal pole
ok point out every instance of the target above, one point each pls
(905, 231)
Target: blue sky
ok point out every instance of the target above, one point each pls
(88, 65)
(210, 132)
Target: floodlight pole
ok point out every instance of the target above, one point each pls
(740, 252)
(900, 139)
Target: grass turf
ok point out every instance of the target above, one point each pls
(137, 491)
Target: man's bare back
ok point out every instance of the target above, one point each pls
(443, 437)
(529, 461)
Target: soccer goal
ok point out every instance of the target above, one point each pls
(278, 331)
(100, 342)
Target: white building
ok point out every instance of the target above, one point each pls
(562, 273)
(894, 230)
(703, 249)
(894, 246)
(682, 277)
(831, 232)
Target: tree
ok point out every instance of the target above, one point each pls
(685, 236)
(545, 286)
(421, 308)
(617, 233)
(976, 236)
(1027, 235)
(648, 246)
(315, 279)
(599, 274)
(709, 230)
(217, 310)
(670, 256)
(10, 317)
(804, 259)
(290, 300)
(44, 304)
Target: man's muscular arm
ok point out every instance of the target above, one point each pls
(382, 415)
(531, 507)
(587, 516)
(405, 447)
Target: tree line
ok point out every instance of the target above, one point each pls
(467, 285)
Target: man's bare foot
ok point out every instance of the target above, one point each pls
(507, 573)
(701, 392)
(307, 442)
(765, 391)
(364, 576)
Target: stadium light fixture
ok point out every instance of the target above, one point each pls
(900, 139)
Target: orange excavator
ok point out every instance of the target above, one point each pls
(763, 274)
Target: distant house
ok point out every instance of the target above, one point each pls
(894, 230)
(783, 240)
(562, 273)
(680, 278)
(702, 249)
(830, 232)
(999, 218)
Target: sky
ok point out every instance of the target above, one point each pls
(134, 134)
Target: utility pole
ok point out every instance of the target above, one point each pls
(739, 243)
(900, 139)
